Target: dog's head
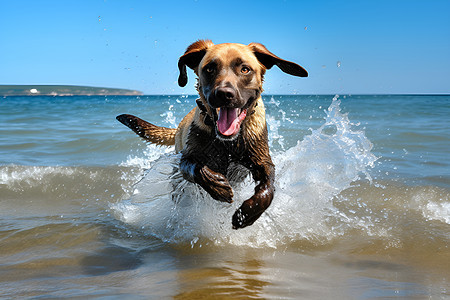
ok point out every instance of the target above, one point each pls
(230, 79)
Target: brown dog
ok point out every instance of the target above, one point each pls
(228, 126)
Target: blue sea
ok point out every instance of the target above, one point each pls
(361, 210)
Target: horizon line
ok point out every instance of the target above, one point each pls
(196, 95)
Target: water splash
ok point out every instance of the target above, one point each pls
(274, 135)
(309, 175)
(150, 154)
(169, 117)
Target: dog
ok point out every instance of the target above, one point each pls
(228, 127)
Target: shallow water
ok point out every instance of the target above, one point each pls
(361, 211)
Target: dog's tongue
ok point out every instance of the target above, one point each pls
(229, 121)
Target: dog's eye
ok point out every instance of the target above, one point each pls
(245, 70)
(209, 69)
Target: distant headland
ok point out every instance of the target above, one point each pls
(63, 90)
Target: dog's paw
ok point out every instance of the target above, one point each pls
(252, 208)
(216, 184)
(247, 214)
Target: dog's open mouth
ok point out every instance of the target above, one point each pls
(230, 120)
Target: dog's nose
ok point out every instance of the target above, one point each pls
(225, 93)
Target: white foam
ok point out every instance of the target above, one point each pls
(432, 204)
(309, 175)
(150, 154)
(438, 211)
(14, 175)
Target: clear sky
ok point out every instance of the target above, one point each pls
(348, 47)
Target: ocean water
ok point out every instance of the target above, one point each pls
(361, 211)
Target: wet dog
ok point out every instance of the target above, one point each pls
(228, 127)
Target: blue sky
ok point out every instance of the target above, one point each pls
(348, 47)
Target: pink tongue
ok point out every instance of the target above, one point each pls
(229, 121)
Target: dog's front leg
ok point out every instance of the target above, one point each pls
(253, 208)
(214, 183)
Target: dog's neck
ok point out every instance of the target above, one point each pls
(208, 119)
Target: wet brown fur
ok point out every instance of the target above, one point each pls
(206, 155)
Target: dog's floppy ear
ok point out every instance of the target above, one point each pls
(191, 58)
(268, 59)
